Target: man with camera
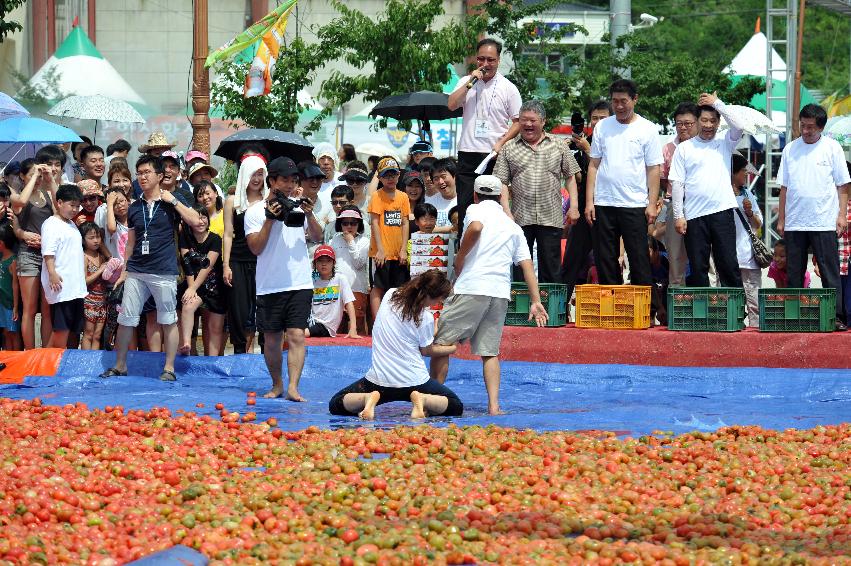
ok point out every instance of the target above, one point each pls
(275, 232)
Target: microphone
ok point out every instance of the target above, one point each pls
(474, 80)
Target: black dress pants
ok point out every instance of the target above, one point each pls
(549, 252)
(716, 234)
(613, 223)
(825, 247)
(466, 176)
(576, 251)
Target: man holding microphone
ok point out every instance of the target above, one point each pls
(491, 111)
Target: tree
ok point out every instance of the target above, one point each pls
(394, 52)
(7, 26)
(40, 96)
(279, 110)
(532, 45)
(663, 82)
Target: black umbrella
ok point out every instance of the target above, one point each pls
(278, 143)
(423, 105)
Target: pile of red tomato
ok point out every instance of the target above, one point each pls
(107, 487)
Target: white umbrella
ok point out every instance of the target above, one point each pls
(365, 150)
(840, 130)
(97, 108)
(752, 121)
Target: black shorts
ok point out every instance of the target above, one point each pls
(389, 394)
(391, 274)
(68, 315)
(318, 330)
(277, 312)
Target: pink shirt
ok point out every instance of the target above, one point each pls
(781, 277)
(497, 103)
(668, 156)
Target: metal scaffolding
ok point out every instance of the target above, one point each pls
(781, 31)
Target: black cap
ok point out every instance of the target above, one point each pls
(311, 171)
(354, 174)
(420, 147)
(282, 167)
(412, 176)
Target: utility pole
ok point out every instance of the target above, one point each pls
(621, 15)
(200, 79)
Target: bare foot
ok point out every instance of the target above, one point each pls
(495, 411)
(184, 350)
(274, 392)
(418, 409)
(294, 395)
(368, 412)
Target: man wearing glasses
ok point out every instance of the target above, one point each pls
(685, 120)
(491, 111)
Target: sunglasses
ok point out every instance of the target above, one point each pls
(339, 202)
(91, 197)
(349, 222)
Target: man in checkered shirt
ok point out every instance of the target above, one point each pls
(535, 166)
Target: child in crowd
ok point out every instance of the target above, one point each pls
(92, 195)
(388, 210)
(62, 275)
(9, 293)
(777, 269)
(453, 220)
(341, 195)
(659, 270)
(5, 213)
(331, 296)
(200, 250)
(403, 334)
(747, 212)
(94, 306)
(424, 167)
(414, 188)
(356, 177)
(443, 174)
(351, 248)
(425, 219)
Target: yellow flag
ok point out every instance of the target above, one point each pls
(258, 82)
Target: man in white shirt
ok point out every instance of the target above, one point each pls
(622, 188)
(814, 185)
(491, 114)
(284, 281)
(685, 122)
(492, 243)
(700, 174)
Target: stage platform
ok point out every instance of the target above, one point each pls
(662, 347)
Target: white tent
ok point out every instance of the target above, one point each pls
(751, 60)
(82, 70)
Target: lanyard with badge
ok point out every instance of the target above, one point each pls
(482, 129)
(146, 245)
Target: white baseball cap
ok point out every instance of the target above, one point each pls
(488, 185)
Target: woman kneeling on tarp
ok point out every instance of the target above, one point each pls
(402, 334)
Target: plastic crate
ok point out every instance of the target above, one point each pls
(797, 310)
(613, 306)
(706, 309)
(553, 297)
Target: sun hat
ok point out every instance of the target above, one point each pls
(350, 211)
(387, 164)
(155, 140)
(198, 166)
(487, 185)
(324, 251)
(354, 174)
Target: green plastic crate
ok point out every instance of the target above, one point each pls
(706, 309)
(797, 310)
(553, 297)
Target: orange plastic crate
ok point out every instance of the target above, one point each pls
(613, 306)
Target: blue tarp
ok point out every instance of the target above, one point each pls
(628, 399)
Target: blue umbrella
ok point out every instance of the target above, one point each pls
(10, 108)
(23, 129)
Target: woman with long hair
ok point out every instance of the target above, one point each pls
(403, 333)
(205, 194)
(239, 265)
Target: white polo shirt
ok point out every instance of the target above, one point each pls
(494, 104)
(625, 151)
(487, 268)
(704, 168)
(811, 172)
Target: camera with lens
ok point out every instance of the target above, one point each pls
(577, 123)
(194, 262)
(291, 213)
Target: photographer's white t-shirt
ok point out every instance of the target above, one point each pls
(283, 265)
